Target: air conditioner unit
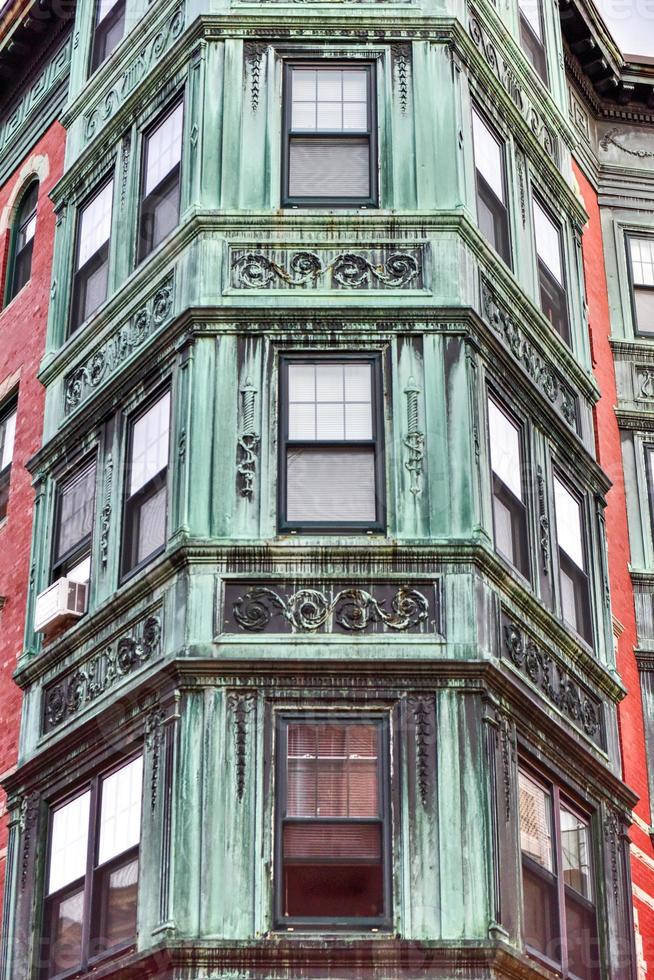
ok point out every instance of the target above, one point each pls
(63, 600)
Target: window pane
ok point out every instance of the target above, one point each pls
(105, 7)
(644, 299)
(642, 260)
(7, 437)
(330, 485)
(69, 842)
(548, 242)
(488, 155)
(535, 822)
(67, 923)
(95, 224)
(120, 816)
(338, 168)
(330, 401)
(80, 572)
(505, 449)
(164, 149)
(332, 771)
(152, 524)
(568, 523)
(583, 946)
(541, 914)
(575, 845)
(119, 899)
(329, 99)
(530, 9)
(76, 508)
(150, 444)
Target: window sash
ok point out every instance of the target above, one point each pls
(328, 142)
(374, 445)
(92, 267)
(380, 822)
(83, 479)
(640, 262)
(554, 881)
(109, 18)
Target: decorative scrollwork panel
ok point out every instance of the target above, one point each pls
(322, 268)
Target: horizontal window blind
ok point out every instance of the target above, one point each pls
(329, 167)
(330, 485)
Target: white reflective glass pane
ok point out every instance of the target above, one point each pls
(302, 420)
(329, 382)
(29, 230)
(7, 438)
(80, 572)
(330, 422)
(69, 842)
(301, 382)
(504, 449)
(304, 84)
(330, 115)
(548, 242)
(568, 523)
(358, 382)
(535, 821)
(330, 86)
(150, 444)
(304, 115)
(120, 814)
(355, 85)
(355, 116)
(95, 224)
(642, 260)
(164, 150)
(358, 421)
(105, 7)
(488, 156)
(575, 846)
(531, 11)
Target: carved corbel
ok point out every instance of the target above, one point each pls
(414, 440)
(248, 440)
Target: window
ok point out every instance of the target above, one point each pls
(331, 462)
(575, 592)
(532, 36)
(75, 509)
(93, 870)
(23, 242)
(509, 512)
(641, 266)
(551, 276)
(490, 167)
(92, 255)
(330, 155)
(160, 182)
(333, 823)
(109, 30)
(146, 498)
(7, 434)
(559, 922)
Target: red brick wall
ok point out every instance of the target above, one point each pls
(609, 452)
(22, 333)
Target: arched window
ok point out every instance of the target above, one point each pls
(23, 242)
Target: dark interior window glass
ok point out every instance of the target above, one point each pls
(23, 245)
(332, 835)
(160, 182)
(109, 30)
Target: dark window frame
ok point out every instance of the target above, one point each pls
(525, 505)
(584, 573)
(282, 721)
(543, 270)
(100, 31)
(559, 797)
(9, 408)
(80, 276)
(633, 286)
(377, 441)
(506, 254)
(372, 201)
(531, 43)
(92, 891)
(15, 254)
(648, 450)
(136, 500)
(163, 185)
(60, 565)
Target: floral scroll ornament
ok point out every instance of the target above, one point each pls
(350, 270)
(308, 610)
(248, 440)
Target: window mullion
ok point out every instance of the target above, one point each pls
(560, 882)
(90, 862)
